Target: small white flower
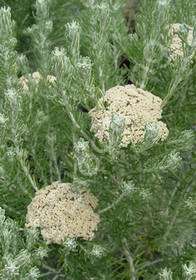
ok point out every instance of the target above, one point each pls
(41, 253)
(171, 162)
(174, 159)
(11, 95)
(41, 2)
(34, 273)
(59, 52)
(84, 63)
(145, 194)
(81, 149)
(48, 25)
(190, 203)
(163, 2)
(102, 6)
(11, 153)
(72, 27)
(165, 274)
(61, 62)
(70, 243)
(190, 271)
(11, 269)
(2, 119)
(128, 187)
(97, 251)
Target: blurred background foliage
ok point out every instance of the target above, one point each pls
(23, 13)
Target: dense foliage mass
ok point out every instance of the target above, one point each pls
(97, 139)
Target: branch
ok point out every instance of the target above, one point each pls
(129, 259)
(151, 263)
(25, 169)
(113, 204)
(100, 151)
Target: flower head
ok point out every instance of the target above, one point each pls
(60, 213)
(135, 107)
(35, 77)
(176, 43)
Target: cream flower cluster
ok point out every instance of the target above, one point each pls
(136, 105)
(37, 77)
(60, 213)
(175, 45)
